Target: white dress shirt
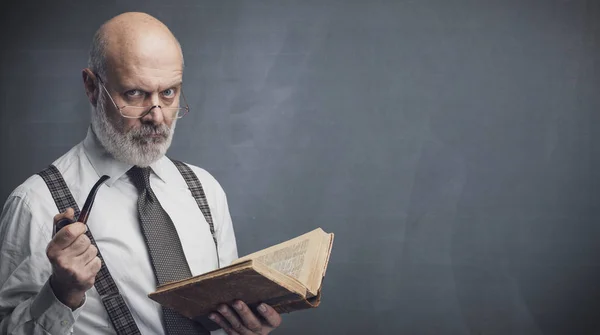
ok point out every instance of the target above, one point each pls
(27, 303)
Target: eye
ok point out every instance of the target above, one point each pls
(169, 93)
(134, 93)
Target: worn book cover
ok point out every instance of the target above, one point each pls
(287, 276)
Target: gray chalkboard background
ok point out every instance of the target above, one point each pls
(451, 145)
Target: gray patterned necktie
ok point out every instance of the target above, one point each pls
(164, 246)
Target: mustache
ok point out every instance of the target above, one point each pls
(149, 129)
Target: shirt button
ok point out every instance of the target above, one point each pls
(64, 323)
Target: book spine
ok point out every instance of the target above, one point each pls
(292, 303)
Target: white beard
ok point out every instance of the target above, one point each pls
(131, 146)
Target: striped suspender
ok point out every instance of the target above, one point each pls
(115, 305)
(119, 314)
(195, 187)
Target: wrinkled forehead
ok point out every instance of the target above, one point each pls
(151, 61)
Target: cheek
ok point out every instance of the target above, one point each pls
(122, 124)
(113, 115)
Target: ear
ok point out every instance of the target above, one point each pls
(89, 84)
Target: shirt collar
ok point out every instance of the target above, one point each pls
(105, 164)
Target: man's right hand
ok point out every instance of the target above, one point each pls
(74, 260)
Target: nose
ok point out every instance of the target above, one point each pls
(154, 99)
(155, 115)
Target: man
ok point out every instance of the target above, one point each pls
(48, 280)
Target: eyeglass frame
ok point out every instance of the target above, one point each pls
(150, 108)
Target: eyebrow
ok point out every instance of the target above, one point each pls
(130, 86)
(177, 83)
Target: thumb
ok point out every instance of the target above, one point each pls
(69, 213)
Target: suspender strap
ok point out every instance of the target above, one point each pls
(115, 305)
(195, 187)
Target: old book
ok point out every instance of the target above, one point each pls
(287, 276)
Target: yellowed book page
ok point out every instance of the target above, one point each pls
(296, 257)
(322, 255)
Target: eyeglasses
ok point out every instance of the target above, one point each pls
(137, 112)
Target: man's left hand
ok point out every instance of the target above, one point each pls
(238, 319)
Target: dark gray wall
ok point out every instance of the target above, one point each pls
(451, 146)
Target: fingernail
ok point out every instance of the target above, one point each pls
(262, 308)
(212, 317)
(238, 305)
(223, 310)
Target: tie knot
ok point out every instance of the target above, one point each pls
(140, 177)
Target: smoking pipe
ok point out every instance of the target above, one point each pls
(87, 207)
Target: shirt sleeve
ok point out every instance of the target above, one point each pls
(27, 303)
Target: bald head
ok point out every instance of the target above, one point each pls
(133, 38)
(139, 67)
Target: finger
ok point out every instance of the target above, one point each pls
(81, 244)
(78, 247)
(88, 255)
(271, 316)
(233, 319)
(220, 320)
(69, 213)
(89, 272)
(94, 265)
(248, 317)
(66, 236)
